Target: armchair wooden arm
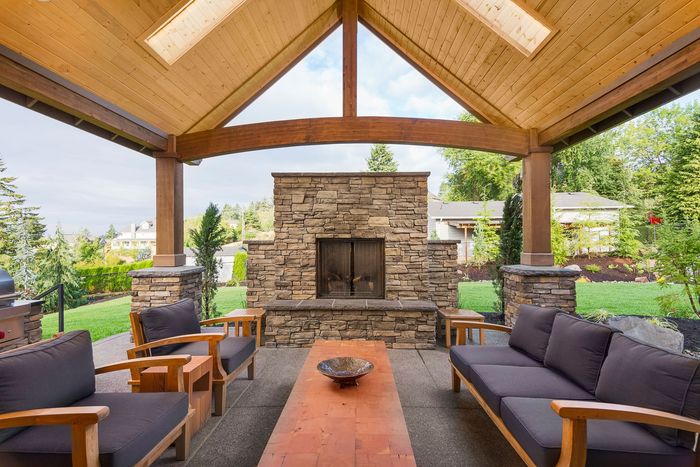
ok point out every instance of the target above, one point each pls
(575, 414)
(241, 324)
(83, 421)
(174, 377)
(481, 325)
(212, 338)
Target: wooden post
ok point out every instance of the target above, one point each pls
(537, 234)
(349, 58)
(169, 209)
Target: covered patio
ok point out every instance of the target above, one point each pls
(166, 77)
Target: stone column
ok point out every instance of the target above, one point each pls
(161, 286)
(538, 285)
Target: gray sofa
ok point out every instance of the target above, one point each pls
(52, 415)
(570, 392)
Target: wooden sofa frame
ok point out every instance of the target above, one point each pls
(220, 381)
(84, 420)
(574, 414)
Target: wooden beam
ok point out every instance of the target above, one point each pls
(349, 58)
(170, 240)
(335, 130)
(272, 71)
(41, 87)
(634, 89)
(537, 211)
(431, 68)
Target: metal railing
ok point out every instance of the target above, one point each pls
(59, 304)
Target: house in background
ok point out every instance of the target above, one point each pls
(225, 256)
(455, 220)
(136, 236)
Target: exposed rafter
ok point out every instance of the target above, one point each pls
(390, 130)
(349, 58)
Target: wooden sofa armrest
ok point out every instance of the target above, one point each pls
(575, 414)
(174, 380)
(183, 339)
(85, 449)
(481, 325)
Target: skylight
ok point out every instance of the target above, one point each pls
(521, 26)
(185, 25)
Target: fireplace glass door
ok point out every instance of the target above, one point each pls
(350, 268)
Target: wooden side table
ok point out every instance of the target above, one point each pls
(198, 379)
(453, 314)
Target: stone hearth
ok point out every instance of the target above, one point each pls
(388, 206)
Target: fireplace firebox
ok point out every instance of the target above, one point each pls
(350, 268)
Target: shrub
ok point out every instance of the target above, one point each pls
(559, 250)
(612, 266)
(678, 260)
(597, 316)
(103, 279)
(592, 268)
(239, 267)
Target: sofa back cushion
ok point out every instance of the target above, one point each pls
(531, 330)
(577, 349)
(53, 373)
(635, 373)
(169, 321)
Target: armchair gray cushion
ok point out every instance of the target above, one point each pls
(135, 425)
(53, 373)
(233, 350)
(169, 321)
(610, 443)
(465, 356)
(531, 330)
(635, 373)
(577, 349)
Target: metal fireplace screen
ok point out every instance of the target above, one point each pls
(350, 268)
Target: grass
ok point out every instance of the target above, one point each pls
(630, 298)
(111, 317)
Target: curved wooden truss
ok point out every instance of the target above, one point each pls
(335, 130)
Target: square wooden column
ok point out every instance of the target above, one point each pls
(169, 212)
(537, 210)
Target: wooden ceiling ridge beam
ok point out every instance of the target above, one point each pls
(60, 99)
(659, 82)
(271, 71)
(391, 35)
(338, 130)
(349, 16)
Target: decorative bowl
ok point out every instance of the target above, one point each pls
(345, 370)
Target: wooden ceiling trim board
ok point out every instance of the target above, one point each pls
(446, 37)
(474, 103)
(489, 64)
(487, 55)
(468, 29)
(446, 21)
(678, 66)
(643, 51)
(481, 40)
(427, 14)
(337, 130)
(583, 16)
(269, 73)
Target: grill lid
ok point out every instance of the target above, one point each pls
(7, 285)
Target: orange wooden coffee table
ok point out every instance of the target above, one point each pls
(324, 425)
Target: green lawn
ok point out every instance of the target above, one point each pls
(112, 317)
(617, 297)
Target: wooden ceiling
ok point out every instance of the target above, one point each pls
(96, 46)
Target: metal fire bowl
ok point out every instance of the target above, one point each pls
(345, 370)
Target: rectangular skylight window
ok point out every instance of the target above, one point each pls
(521, 26)
(185, 25)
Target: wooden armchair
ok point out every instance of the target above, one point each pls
(34, 435)
(232, 350)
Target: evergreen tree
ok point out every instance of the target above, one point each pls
(511, 240)
(24, 260)
(681, 188)
(381, 159)
(239, 271)
(560, 250)
(57, 266)
(111, 233)
(626, 241)
(485, 240)
(206, 241)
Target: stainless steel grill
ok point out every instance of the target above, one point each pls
(7, 289)
(12, 312)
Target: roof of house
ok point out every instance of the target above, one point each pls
(143, 226)
(560, 201)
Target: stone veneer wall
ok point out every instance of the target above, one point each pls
(442, 273)
(351, 205)
(261, 272)
(538, 285)
(161, 286)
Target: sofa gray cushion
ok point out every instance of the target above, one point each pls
(635, 373)
(135, 424)
(531, 330)
(169, 321)
(233, 350)
(465, 356)
(494, 382)
(53, 373)
(610, 443)
(577, 349)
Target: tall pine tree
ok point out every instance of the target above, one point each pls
(57, 266)
(381, 159)
(681, 188)
(24, 260)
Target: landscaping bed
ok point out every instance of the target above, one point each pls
(610, 269)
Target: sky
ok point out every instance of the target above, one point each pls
(82, 181)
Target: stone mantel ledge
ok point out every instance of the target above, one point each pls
(258, 242)
(176, 271)
(351, 305)
(443, 242)
(349, 174)
(548, 271)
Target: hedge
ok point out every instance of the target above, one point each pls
(101, 279)
(239, 267)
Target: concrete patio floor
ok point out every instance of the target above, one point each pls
(446, 429)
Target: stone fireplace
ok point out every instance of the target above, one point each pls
(351, 259)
